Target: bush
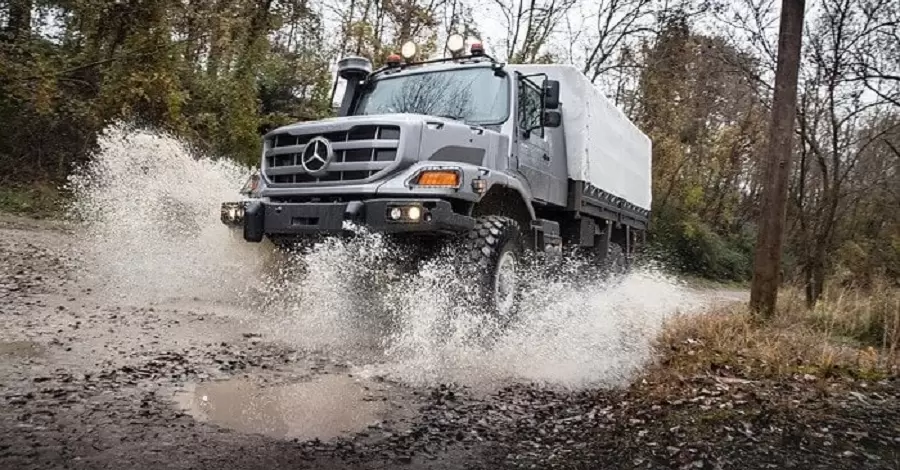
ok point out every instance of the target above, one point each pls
(869, 316)
(692, 247)
(39, 200)
(863, 262)
(850, 333)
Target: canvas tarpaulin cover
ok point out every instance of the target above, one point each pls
(604, 147)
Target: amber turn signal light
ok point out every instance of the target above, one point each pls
(438, 178)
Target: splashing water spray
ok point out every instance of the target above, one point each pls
(149, 230)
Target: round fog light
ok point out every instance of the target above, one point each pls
(396, 213)
(414, 213)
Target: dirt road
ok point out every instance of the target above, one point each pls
(90, 381)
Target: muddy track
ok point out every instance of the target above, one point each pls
(88, 382)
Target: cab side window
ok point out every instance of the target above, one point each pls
(530, 107)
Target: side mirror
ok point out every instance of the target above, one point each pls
(551, 94)
(552, 119)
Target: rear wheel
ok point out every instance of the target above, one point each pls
(615, 263)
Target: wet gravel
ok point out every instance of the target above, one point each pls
(88, 383)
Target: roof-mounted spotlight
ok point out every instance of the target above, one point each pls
(456, 43)
(408, 51)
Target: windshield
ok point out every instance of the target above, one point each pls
(475, 95)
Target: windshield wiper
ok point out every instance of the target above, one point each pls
(450, 116)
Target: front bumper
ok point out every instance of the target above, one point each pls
(259, 218)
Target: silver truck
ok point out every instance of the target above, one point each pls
(494, 158)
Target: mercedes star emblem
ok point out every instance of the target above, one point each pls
(317, 155)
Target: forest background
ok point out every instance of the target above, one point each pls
(696, 76)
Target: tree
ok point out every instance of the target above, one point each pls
(618, 21)
(767, 259)
(845, 119)
(706, 123)
(529, 26)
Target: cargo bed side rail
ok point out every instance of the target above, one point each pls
(587, 199)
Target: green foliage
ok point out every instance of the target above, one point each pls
(691, 246)
(37, 201)
(706, 127)
(225, 76)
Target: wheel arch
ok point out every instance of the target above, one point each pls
(506, 201)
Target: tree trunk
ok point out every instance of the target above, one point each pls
(216, 39)
(19, 18)
(808, 282)
(767, 259)
(817, 279)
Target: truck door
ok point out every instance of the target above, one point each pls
(532, 147)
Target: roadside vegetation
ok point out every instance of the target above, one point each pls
(849, 333)
(38, 200)
(808, 388)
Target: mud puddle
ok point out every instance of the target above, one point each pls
(325, 407)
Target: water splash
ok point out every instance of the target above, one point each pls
(150, 231)
(148, 210)
(325, 298)
(413, 328)
(567, 334)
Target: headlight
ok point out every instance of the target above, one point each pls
(251, 185)
(408, 51)
(407, 213)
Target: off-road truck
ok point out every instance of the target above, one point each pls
(499, 158)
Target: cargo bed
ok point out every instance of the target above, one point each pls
(607, 153)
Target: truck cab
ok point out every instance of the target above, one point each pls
(463, 149)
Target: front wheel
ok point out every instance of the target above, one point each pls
(494, 250)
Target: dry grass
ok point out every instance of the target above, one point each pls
(849, 333)
(870, 317)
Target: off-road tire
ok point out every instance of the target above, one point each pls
(615, 264)
(485, 245)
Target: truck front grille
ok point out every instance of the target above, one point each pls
(360, 153)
